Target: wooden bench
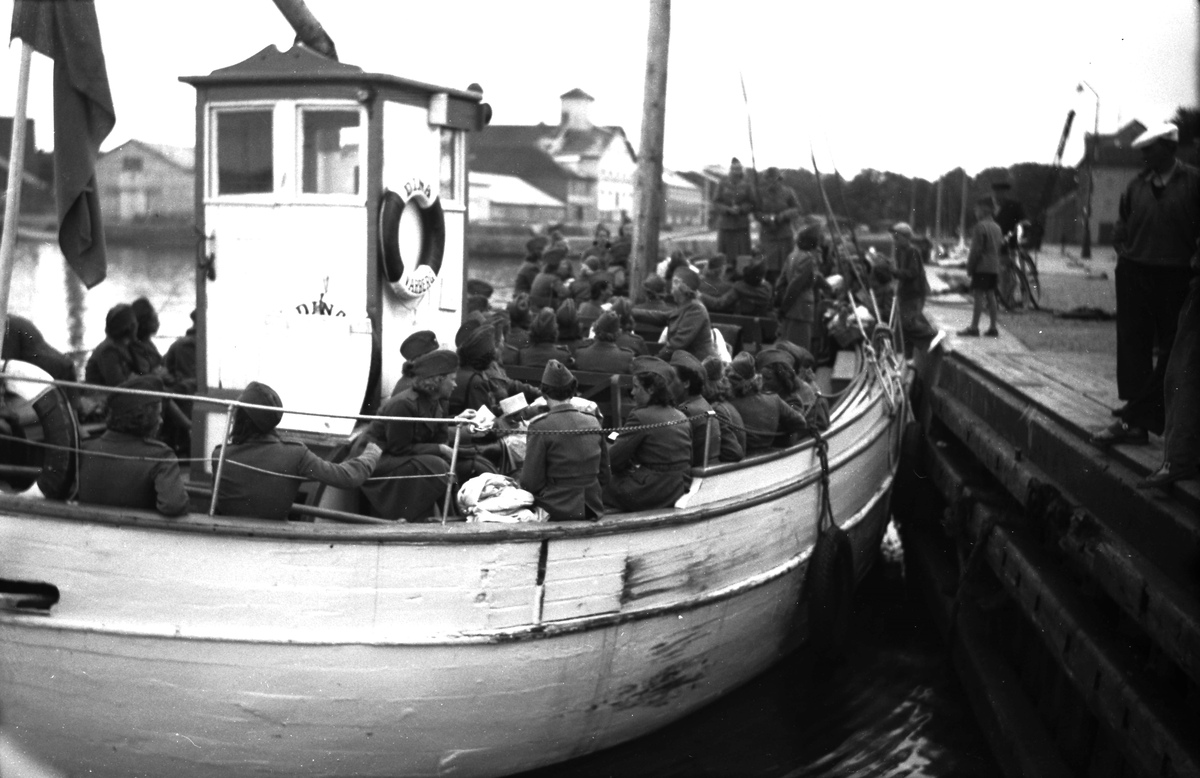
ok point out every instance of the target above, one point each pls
(612, 393)
(750, 333)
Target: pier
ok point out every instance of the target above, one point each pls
(1067, 595)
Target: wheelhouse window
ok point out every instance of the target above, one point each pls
(244, 152)
(330, 155)
(451, 178)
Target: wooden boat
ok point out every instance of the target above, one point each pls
(132, 644)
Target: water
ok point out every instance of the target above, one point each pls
(892, 707)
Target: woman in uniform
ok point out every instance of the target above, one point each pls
(688, 326)
(716, 391)
(765, 416)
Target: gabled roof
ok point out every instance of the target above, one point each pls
(529, 163)
(180, 157)
(1116, 150)
(508, 190)
(576, 94)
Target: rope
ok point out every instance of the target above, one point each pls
(825, 520)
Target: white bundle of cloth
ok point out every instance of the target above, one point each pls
(491, 497)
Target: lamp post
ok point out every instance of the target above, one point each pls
(1086, 250)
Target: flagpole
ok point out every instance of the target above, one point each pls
(16, 172)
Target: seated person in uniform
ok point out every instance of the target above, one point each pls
(569, 333)
(415, 345)
(543, 346)
(716, 391)
(531, 266)
(262, 473)
(651, 465)
(813, 404)
(420, 451)
(549, 288)
(112, 362)
(752, 295)
(180, 361)
(126, 467)
(688, 326)
(765, 416)
(599, 293)
(603, 355)
(706, 431)
(713, 283)
(565, 473)
(145, 354)
(628, 338)
(520, 316)
(654, 289)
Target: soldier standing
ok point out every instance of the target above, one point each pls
(733, 203)
(776, 209)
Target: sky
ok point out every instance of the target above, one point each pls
(919, 87)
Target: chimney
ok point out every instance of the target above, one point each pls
(576, 105)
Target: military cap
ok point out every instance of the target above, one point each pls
(474, 320)
(554, 255)
(773, 356)
(654, 284)
(608, 323)
(801, 357)
(566, 313)
(121, 320)
(518, 309)
(652, 365)
(544, 327)
(257, 393)
(743, 366)
(480, 341)
(418, 343)
(902, 228)
(123, 403)
(434, 363)
(556, 375)
(536, 246)
(687, 361)
(688, 277)
(1165, 132)
(479, 287)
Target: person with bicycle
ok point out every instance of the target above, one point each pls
(1009, 215)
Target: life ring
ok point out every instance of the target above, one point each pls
(60, 429)
(411, 272)
(829, 589)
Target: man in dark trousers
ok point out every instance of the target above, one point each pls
(567, 472)
(1155, 238)
(733, 203)
(777, 208)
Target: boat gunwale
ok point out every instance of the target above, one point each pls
(460, 532)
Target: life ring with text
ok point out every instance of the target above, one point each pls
(59, 429)
(829, 588)
(412, 238)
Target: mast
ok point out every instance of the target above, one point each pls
(308, 29)
(16, 173)
(648, 186)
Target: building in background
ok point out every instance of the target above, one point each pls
(141, 181)
(1115, 165)
(500, 199)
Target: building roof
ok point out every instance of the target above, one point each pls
(576, 94)
(1116, 150)
(180, 157)
(508, 190)
(671, 178)
(528, 162)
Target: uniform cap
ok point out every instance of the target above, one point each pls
(434, 363)
(544, 327)
(518, 310)
(257, 393)
(120, 320)
(688, 277)
(773, 356)
(654, 283)
(479, 287)
(608, 323)
(418, 343)
(566, 314)
(536, 246)
(652, 365)
(478, 342)
(902, 228)
(556, 375)
(687, 361)
(123, 403)
(1165, 132)
(554, 255)
(801, 357)
(743, 366)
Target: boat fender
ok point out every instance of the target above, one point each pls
(60, 429)
(829, 587)
(411, 274)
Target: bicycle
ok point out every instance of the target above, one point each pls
(1019, 283)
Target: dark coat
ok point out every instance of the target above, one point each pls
(566, 473)
(180, 362)
(698, 406)
(733, 437)
(151, 481)
(146, 357)
(110, 364)
(651, 467)
(525, 276)
(688, 328)
(765, 416)
(538, 354)
(634, 342)
(547, 291)
(473, 389)
(744, 299)
(245, 492)
(603, 357)
(799, 291)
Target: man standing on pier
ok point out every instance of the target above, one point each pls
(733, 203)
(1155, 238)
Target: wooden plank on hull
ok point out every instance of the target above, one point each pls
(584, 577)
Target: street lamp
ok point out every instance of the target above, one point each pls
(1086, 251)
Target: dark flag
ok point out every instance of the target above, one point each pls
(68, 33)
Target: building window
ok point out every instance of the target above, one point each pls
(450, 186)
(329, 158)
(244, 152)
(132, 164)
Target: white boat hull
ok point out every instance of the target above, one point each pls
(216, 647)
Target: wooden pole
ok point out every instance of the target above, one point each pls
(16, 172)
(648, 187)
(937, 219)
(962, 217)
